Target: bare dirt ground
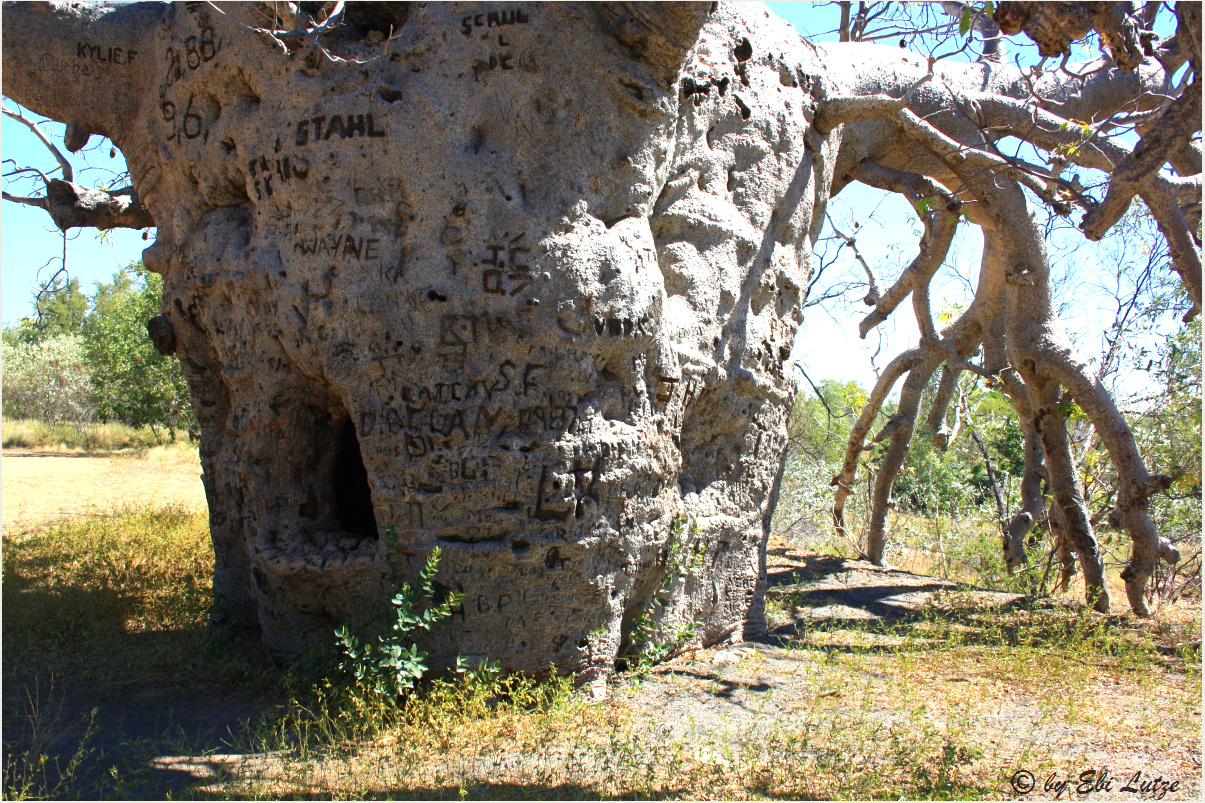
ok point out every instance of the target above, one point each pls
(40, 486)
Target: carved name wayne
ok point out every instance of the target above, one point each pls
(105, 55)
(321, 127)
(336, 245)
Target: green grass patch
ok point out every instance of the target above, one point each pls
(1059, 631)
(111, 600)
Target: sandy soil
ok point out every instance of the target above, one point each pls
(40, 486)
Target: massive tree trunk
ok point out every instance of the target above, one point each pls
(520, 283)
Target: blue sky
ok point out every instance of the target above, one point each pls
(30, 239)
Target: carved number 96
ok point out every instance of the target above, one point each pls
(192, 126)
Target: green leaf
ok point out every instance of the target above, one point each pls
(964, 24)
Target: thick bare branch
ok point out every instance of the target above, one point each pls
(855, 108)
(987, 114)
(49, 66)
(940, 222)
(1153, 151)
(77, 206)
(40, 202)
(1033, 504)
(1046, 359)
(844, 481)
(902, 425)
(1054, 26)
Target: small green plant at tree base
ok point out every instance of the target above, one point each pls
(653, 650)
(681, 558)
(393, 663)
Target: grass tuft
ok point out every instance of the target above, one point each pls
(31, 434)
(127, 587)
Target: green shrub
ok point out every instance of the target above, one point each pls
(392, 663)
(134, 383)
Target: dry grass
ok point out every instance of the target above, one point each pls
(946, 706)
(946, 703)
(41, 488)
(107, 598)
(66, 437)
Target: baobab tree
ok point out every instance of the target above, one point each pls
(520, 281)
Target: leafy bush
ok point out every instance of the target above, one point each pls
(932, 482)
(652, 640)
(394, 663)
(85, 359)
(134, 383)
(48, 380)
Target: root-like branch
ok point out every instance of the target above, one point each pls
(857, 444)
(943, 436)
(901, 436)
(1033, 503)
(938, 211)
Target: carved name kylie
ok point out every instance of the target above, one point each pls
(346, 126)
(108, 55)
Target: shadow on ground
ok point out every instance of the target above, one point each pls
(108, 738)
(139, 742)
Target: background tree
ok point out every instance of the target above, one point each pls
(89, 358)
(134, 383)
(48, 379)
(60, 310)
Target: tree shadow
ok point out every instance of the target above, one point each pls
(100, 699)
(1037, 624)
(885, 601)
(110, 741)
(816, 568)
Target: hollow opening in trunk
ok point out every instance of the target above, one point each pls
(353, 499)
